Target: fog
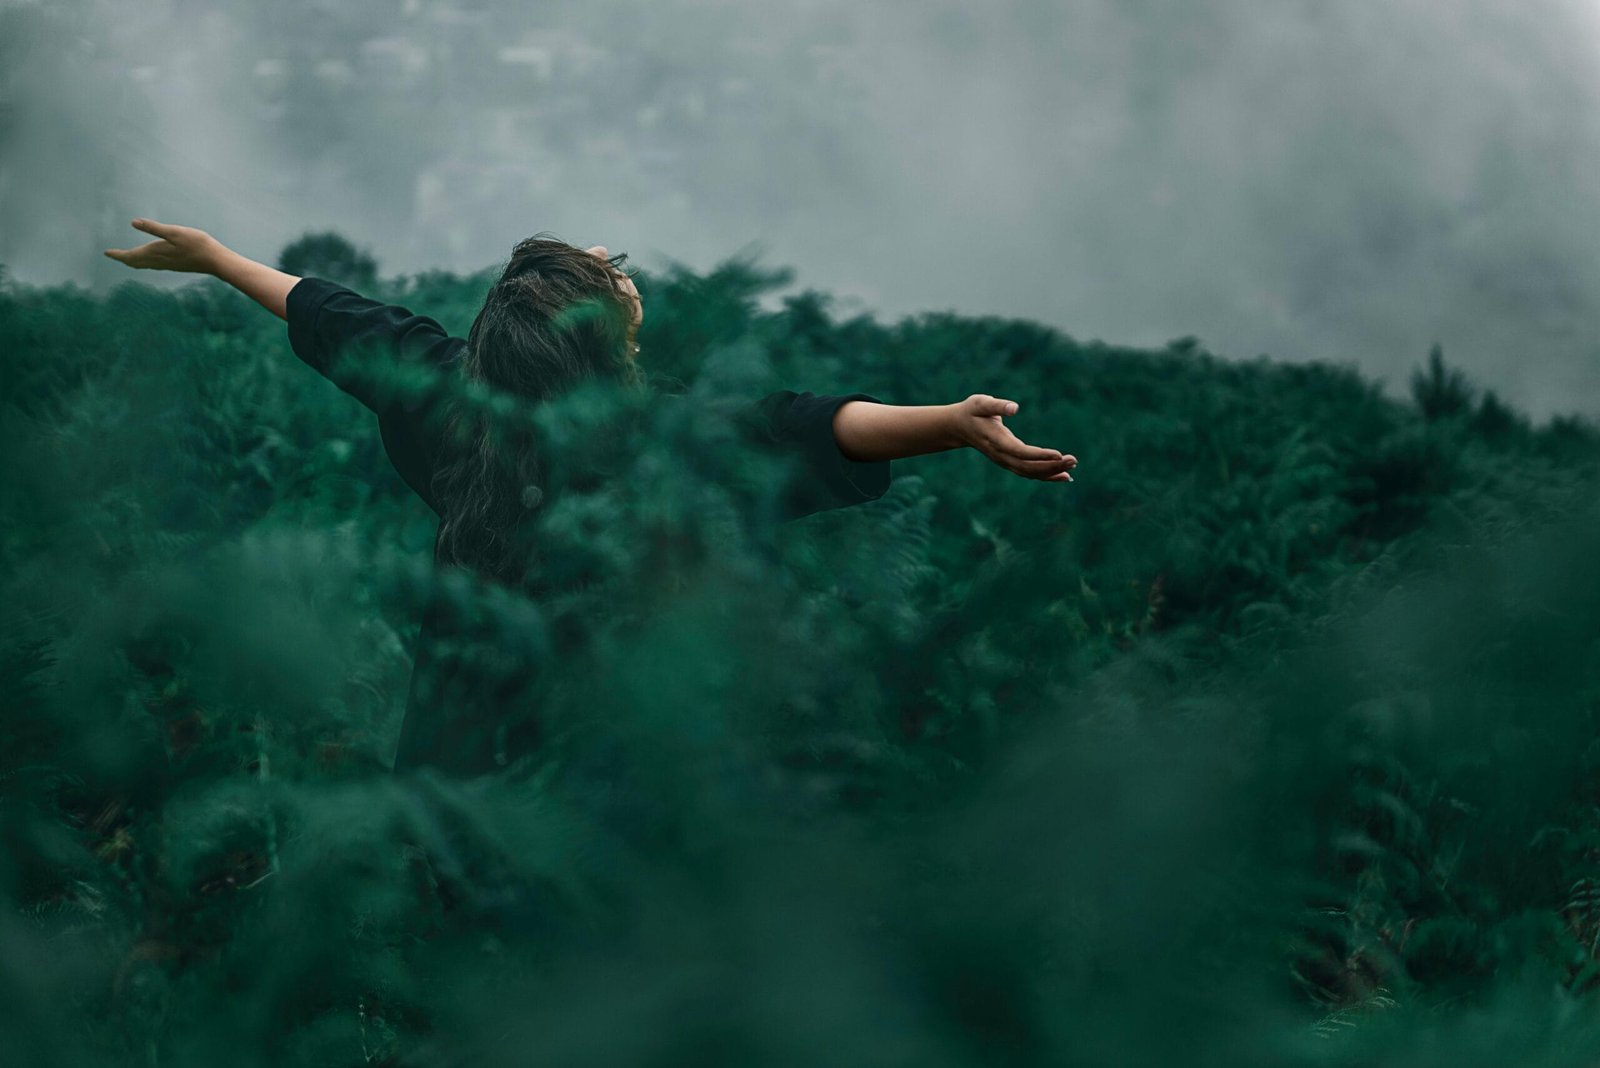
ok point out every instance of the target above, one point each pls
(1350, 181)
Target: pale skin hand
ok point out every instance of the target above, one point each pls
(184, 248)
(175, 248)
(977, 423)
(868, 431)
(627, 284)
(864, 430)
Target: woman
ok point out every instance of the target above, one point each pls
(558, 315)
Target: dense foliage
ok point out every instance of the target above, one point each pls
(1269, 740)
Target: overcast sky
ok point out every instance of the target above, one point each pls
(1349, 180)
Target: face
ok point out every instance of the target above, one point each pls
(627, 285)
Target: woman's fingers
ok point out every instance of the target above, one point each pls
(1009, 444)
(145, 253)
(1007, 450)
(134, 257)
(176, 248)
(150, 226)
(988, 405)
(1049, 470)
(1042, 470)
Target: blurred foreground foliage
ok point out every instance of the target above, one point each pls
(1269, 740)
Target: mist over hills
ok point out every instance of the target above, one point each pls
(1346, 182)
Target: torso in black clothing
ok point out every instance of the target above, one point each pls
(451, 719)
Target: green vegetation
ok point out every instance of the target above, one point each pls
(1269, 740)
(330, 255)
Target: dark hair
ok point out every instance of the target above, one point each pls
(556, 317)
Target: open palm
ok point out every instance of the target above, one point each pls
(978, 421)
(176, 248)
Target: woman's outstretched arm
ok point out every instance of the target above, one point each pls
(866, 431)
(355, 342)
(184, 248)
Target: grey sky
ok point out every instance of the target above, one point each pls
(1349, 180)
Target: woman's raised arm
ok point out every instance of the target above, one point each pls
(867, 431)
(355, 342)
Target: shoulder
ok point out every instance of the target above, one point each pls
(310, 293)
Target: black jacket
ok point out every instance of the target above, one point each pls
(450, 711)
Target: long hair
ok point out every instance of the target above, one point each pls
(556, 317)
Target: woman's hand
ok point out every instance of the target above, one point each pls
(977, 423)
(176, 248)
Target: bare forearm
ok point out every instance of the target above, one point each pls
(265, 285)
(866, 431)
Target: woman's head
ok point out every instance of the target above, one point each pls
(558, 315)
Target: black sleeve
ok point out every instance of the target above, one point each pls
(349, 339)
(802, 423)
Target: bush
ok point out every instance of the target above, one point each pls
(1268, 740)
(329, 255)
